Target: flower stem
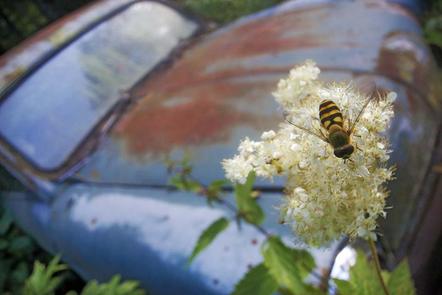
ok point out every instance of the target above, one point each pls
(374, 253)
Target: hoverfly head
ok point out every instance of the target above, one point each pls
(344, 151)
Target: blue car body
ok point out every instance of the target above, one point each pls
(93, 106)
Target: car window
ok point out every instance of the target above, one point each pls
(55, 108)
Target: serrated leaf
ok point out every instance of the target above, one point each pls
(385, 275)
(344, 287)
(247, 206)
(208, 235)
(400, 282)
(257, 281)
(304, 260)
(363, 277)
(114, 286)
(43, 280)
(280, 260)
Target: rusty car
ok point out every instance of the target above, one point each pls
(92, 105)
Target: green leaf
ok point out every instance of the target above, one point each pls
(363, 278)
(182, 183)
(208, 235)
(433, 31)
(257, 281)
(247, 206)
(114, 286)
(43, 280)
(344, 287)
(215, 186)
(304, 260)
(400, 282)
(280, 260)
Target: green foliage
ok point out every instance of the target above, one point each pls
(43, 280)
(432, 23)
(208, 235)
(113, 287)
(257, 281)
(17, 253)
(183, 180)
(183, 183)
(364, 280)
(288, 266)
(400, 281)
(247, 206)
(224, 11)
(433, 30)
(363, 277)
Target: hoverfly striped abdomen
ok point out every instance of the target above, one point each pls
(332, 120)
(330, 114)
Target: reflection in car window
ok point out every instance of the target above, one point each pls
(49, 114)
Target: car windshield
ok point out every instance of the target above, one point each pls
(54, 109)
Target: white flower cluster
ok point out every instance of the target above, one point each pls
(325, 196)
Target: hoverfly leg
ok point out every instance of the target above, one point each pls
(356, 146)
(349, 159)
(323, 135)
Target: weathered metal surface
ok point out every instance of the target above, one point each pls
(96, 69)
(220, 90)
(202, 104)
(148, 235)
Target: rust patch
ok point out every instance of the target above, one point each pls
(158, 128)
(267, 36)
(207, 78)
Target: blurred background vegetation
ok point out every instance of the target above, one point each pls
(21, 19)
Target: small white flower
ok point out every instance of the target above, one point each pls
(268, 135)
(328, 197)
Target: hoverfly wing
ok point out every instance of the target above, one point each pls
(321, 137)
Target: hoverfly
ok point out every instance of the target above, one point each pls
(338, 135)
